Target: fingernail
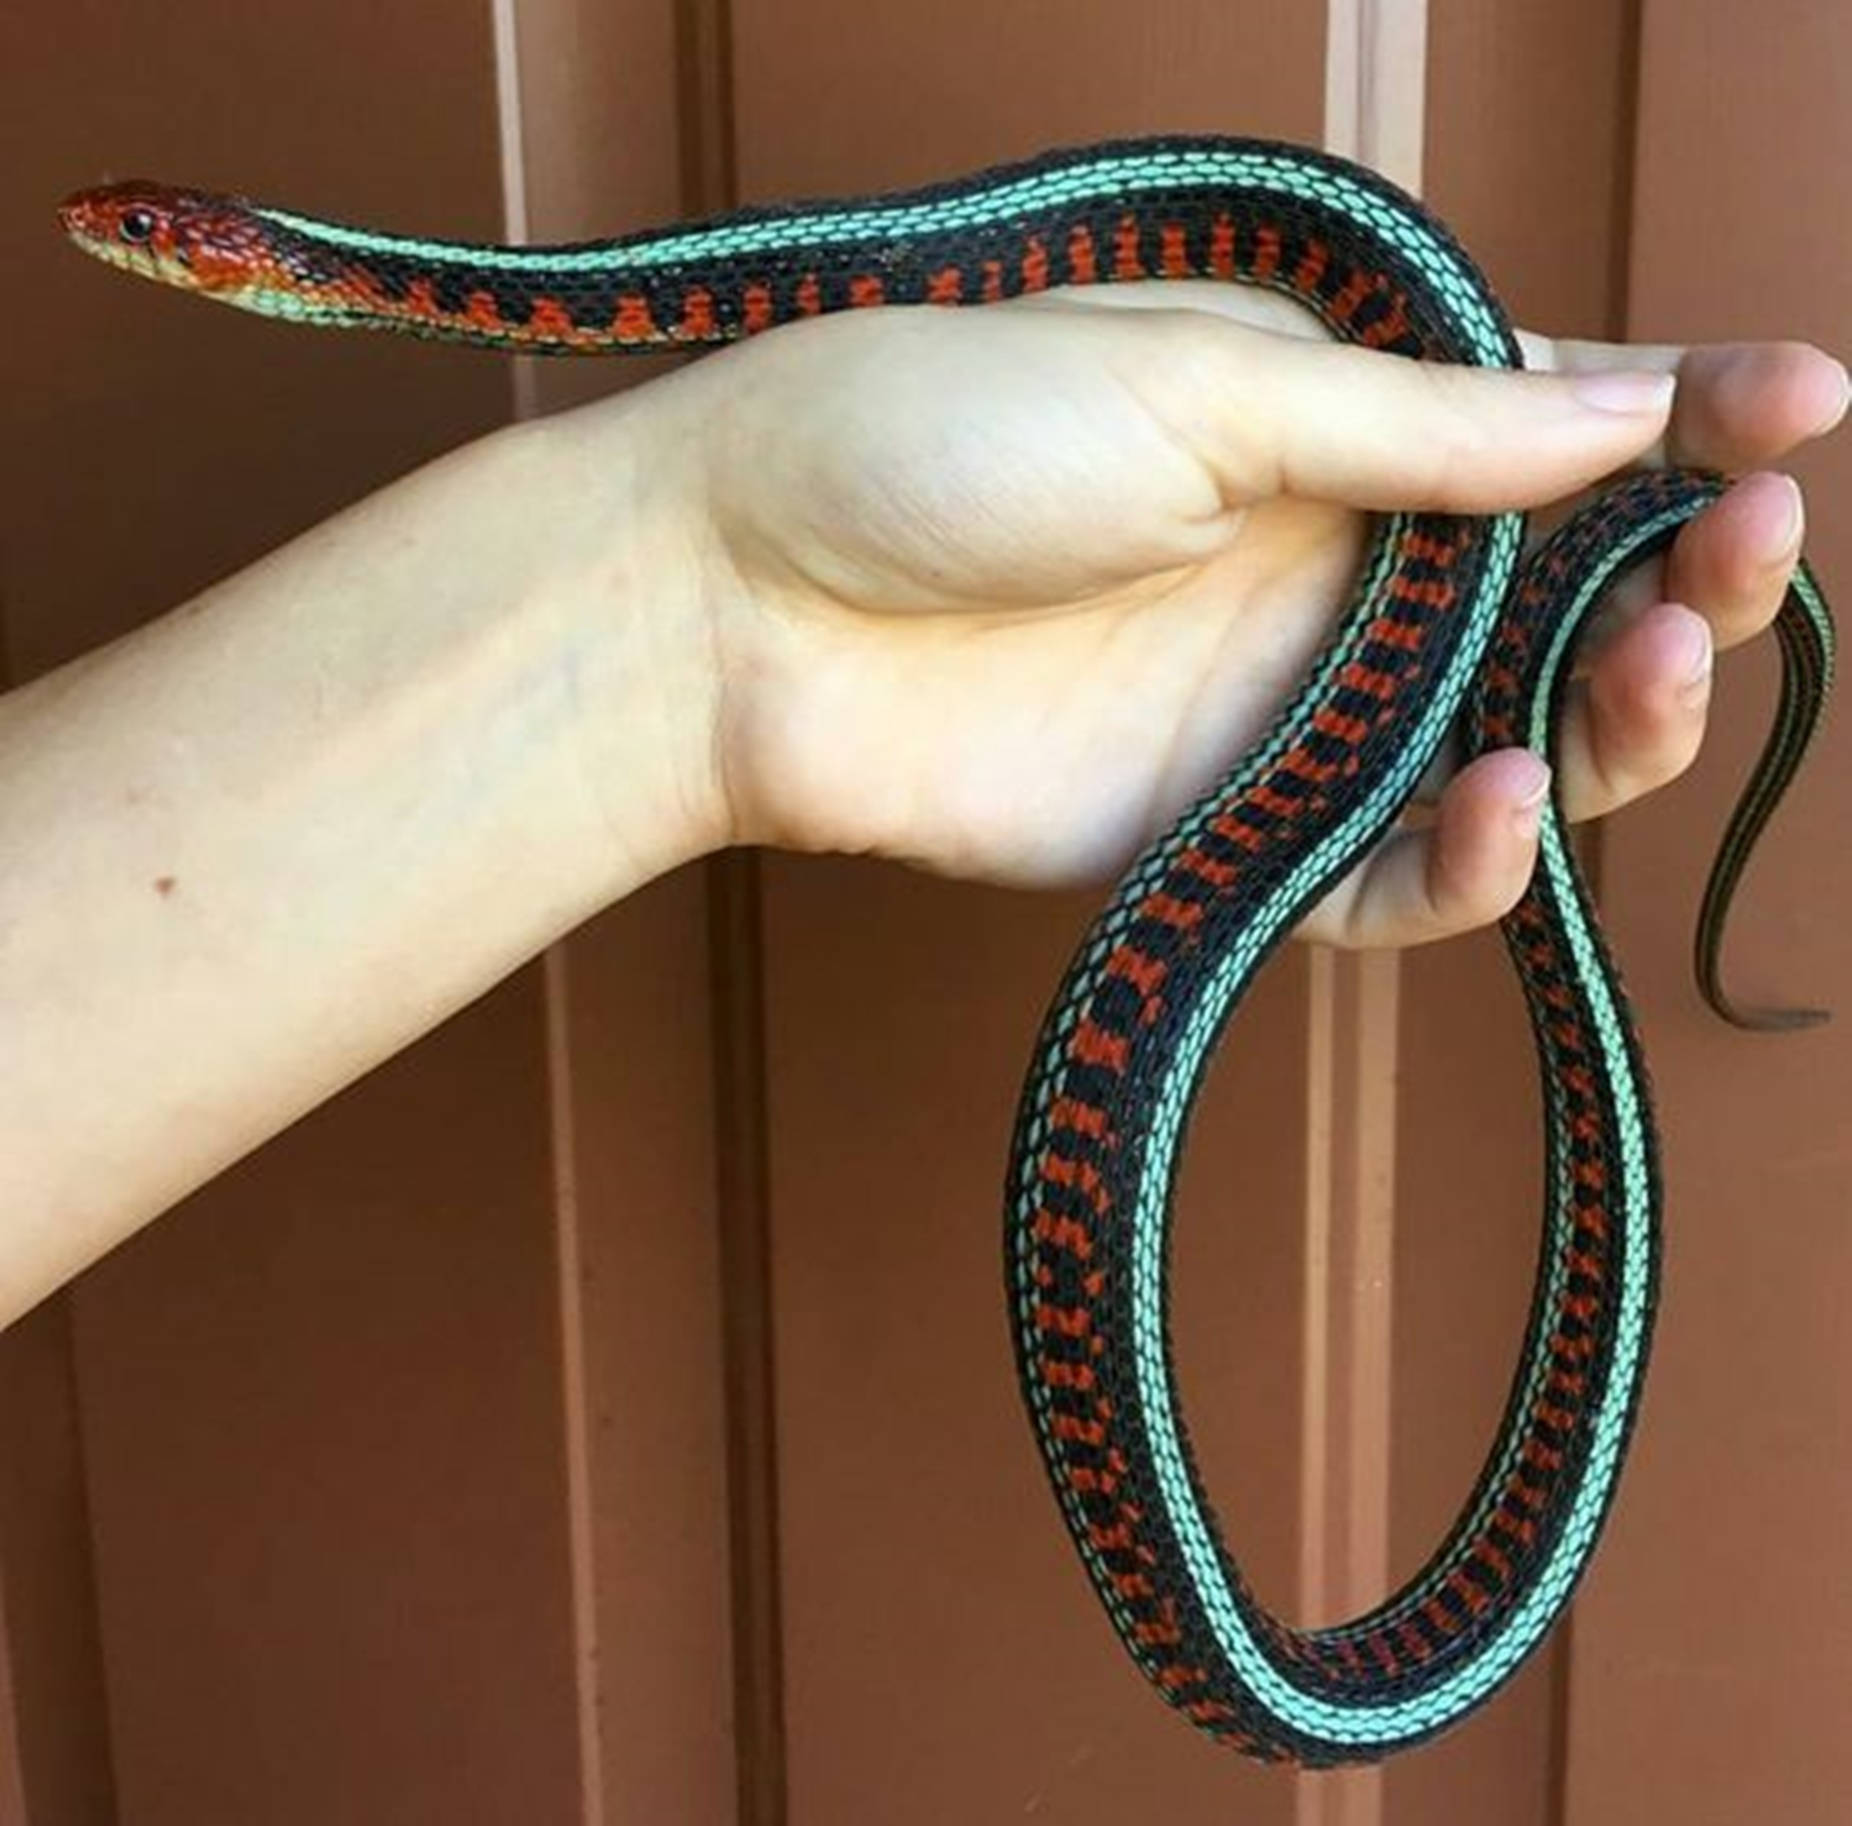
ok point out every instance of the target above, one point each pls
(1635, 394)
(1695, 679)
(1527, 812)
(1839, 411)
(1793, 525)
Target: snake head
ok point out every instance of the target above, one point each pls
(189, 238)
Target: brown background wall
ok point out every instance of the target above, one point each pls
(547, 1429)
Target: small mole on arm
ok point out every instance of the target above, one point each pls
(163, 885)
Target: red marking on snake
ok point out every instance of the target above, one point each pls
(1129, 964)
(809, 298)
(1229, 825)
(1392, 326)
(946, 286)
(1058, 1375)
(1222, 247)
(867, 290)
(1177, 1676)
(1302, 767)
(1083, 1176)
(1064, 1321)
(1218, 874)
(1082, 258)
(1206, 1710)
(1266, 251)
(1125, 261)
(1184, 915)
(697, 323)
(1533, 1500)
(1341, 728)
(634, 322)
(1082, 1118)
(1164, 1633)
(1093, 1045)
(1343, 307)
(1174, 254)
(1431, 546)
(993, 281)
(1545, 1458)
(1035, 265)
(1407, 636)
(1268, 800)
(1469, 1593)
(1359, 677)
(550, 321)
(1064, 1233)
(756, 309)
(1311, 267)
(480, 310)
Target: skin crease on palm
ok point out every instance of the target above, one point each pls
(1206, 568)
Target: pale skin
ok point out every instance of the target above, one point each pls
(991, 591)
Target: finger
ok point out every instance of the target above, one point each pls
(1279, 415)
(1739, 404)
(1465, 869)
(1637, 720)
(1732, 563)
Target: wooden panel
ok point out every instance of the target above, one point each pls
(1528, 118)
(54, 1736)
(943, 1653)
(607, 100)
(641, 1205)
(942, 1646)
(1714, 1646)
(178, 442)
(322, 1418)
(819, 82)
(320, 1412)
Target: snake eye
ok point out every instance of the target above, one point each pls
(136, 226)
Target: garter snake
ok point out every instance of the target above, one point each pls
(1449, 624)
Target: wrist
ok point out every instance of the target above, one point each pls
(625, 582)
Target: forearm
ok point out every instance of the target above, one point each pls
(258, 846)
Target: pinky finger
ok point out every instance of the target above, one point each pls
(1467, 868)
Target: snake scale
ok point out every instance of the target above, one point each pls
(1449, 626)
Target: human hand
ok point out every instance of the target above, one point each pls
(999, 591)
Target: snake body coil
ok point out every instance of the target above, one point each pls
(1444, 622)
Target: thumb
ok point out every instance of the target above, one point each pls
(1272, 414)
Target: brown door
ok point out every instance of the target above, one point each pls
(604, 1412)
